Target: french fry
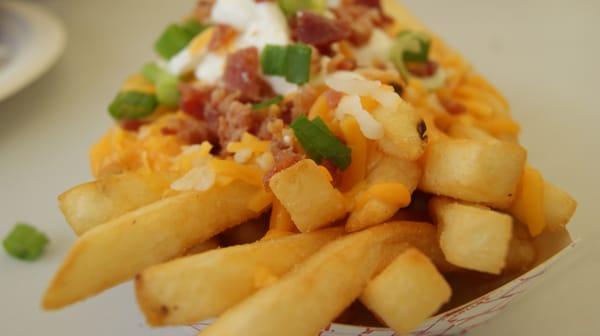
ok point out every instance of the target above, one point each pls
(474, 171)
(522, 252)
(402, 127)
(191, 289)
(559, 207)
(208, 245)
(91, 204)
(387, 169)
(308, 196)
(472, 237)
(407, 291)
(308, 298)
(116, 251)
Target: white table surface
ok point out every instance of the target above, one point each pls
(543, 54)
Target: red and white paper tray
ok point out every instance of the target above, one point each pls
(458, 321)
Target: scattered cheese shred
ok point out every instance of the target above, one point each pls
(198, 179)
(200, 42)
(351, 105)
(392, 193)
(357, 170)
(320, 108)
(248, 173)
(250, 142)
(138, 83)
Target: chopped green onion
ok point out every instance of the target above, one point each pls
(298, 63)
(166, 84)
(266, 103)
(414, 47)
(25, 242)
(291, 7)
(193, 27)
(176, 37)
(273, 59)
(132, 105)
(320, 143)
(292, 62)
(151, 71)
(167, 92)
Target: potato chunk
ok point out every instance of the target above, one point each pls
(407, 292)
(306, 193)
(471, 236)
(474, 171)
(404, 131)
(559, 206)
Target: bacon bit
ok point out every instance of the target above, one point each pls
(132, 125)
(360, 21)
(242, 74)
(203, 9)
(284, 156)
(193, 100)
(341, 63)
(422, 69)
(189, 130)
(222, 35)
(369, 3)
(317, 30)
(333, 98)
(451, 106)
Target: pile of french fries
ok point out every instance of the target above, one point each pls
(196, 255)
(300, 277)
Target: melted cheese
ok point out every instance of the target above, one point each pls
(358, 144)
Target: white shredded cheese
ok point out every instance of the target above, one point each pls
(199, 178)
(354, 84)
(243, 155)
(265, 161)
(351, 105)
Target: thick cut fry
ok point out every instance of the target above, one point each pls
(559, 207)
(528, 206)
(191, 289)
(406, 292)
(308, 196)
(308, 298)
(522, 253)
(90, 204)
(404, 131)
(472, 237)
(116, 251)
(474, 171)
(375, 211)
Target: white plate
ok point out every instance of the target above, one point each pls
(31, 40)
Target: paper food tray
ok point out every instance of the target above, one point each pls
(459, 320)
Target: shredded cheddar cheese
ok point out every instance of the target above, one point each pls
(358, 144)
(250, 174)
(250, 142)
(200, 42)
(138, 83)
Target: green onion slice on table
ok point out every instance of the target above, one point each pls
(25, 242)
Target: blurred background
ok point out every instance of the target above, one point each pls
(542, 54)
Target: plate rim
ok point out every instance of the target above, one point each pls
(37, 16)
